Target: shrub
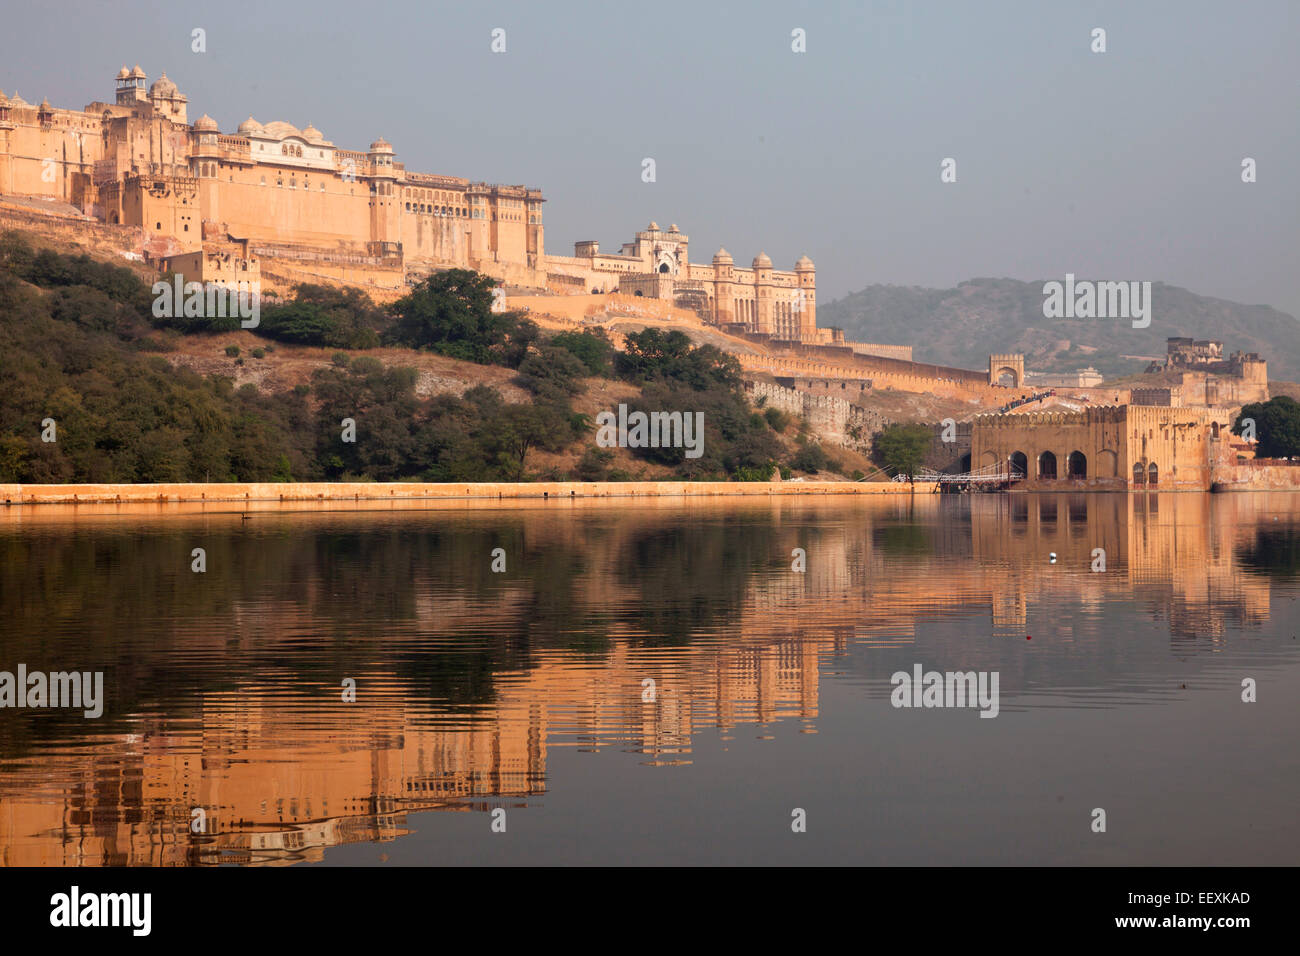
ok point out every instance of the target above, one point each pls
(811, 458)
(776, 419)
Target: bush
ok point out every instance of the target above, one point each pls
(259, 353)
(776, 419)
(594, 465)
(811, 458)
(232, 350)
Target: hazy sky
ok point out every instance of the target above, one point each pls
(1121, 165)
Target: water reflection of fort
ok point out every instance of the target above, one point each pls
(283, 773)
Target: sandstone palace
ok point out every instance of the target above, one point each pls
(281, 205)
(229, 204)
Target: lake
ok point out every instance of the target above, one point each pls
(652, 681)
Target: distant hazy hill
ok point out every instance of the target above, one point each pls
(962, 326)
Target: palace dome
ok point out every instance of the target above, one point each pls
(653, 227)
(722, 255)
(381, 144)
(45, 106)
(312, 134)
(123, 73)
(137, 73)
(803, 263)
(163, 87)
(673, 228)
(206, 123)
(250, 125)
(761, 261)
(279, 129)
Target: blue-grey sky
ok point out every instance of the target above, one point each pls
(1117, 165)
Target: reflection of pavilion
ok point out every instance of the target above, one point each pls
(282, 776)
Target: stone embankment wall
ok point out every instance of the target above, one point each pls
(832, 418)
(1263, 475)
(14, 497)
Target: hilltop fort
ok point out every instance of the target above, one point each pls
(277, 203)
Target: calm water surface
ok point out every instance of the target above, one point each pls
(525, 690)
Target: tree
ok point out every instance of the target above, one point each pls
(654, 355)
(520, 429)
(553, 374)
(901, 448)
(1277, 426)
(324, 316)
(451, 312)
(591, 347)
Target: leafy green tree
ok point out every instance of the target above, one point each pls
(655, 355)
(553, 374)
(324, 316)
(591, 347)
(901, 448)
(1277, 426)
(451, 312)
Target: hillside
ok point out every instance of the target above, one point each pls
(101, 386)
(962, 326)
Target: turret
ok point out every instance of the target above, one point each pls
(806, 273)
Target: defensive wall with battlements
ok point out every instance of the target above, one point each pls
(832, 418)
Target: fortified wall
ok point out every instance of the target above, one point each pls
(833, 419)
(831, 365)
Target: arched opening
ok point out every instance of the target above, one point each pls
(1019, 464)
(1107, 464)
(1153, 476)
(1007, 377)
(639, 292)
(663, 268)
(1047, 466)
(1076, 466)
(1214, 430)
(1139, 474)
